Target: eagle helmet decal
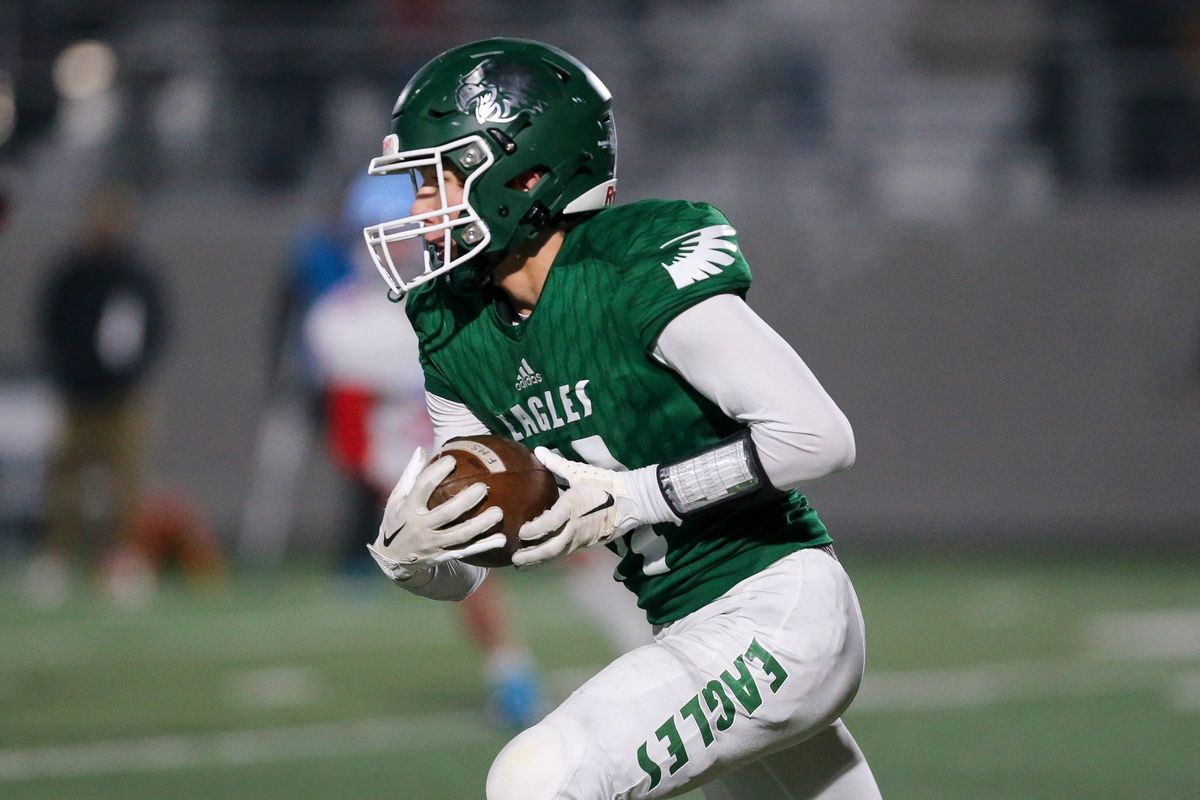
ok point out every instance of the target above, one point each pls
(496, 92)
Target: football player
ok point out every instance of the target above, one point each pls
(616, 341)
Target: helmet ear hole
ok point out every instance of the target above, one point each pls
(527, 180)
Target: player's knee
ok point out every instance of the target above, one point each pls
(536, 765)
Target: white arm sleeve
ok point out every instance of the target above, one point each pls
(451, 580)
(735, 359)
(450, 419)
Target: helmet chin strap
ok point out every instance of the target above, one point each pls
(435, 260)
(469, 278)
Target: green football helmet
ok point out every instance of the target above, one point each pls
(495, 111)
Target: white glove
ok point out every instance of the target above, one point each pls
(412, 537)
(600, 505)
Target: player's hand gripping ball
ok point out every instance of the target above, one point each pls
(517, 482)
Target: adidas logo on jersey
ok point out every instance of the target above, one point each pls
(526, 377)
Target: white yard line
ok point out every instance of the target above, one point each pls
(1159, 635)
(283, 686)
(926, 690)
(882, 692)
(989, 684)
(1115, 638)
(1184, 692)
(274, 634)
(318, 740)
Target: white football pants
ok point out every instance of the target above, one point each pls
(743, 697)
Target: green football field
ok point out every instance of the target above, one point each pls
(988, 677)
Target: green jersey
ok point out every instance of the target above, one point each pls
(578, 376)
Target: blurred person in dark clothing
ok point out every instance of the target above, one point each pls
(102, 328)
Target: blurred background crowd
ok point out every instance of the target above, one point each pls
(978, 220)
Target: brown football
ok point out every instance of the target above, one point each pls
(517, 482)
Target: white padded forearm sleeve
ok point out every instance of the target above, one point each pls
(735, 359)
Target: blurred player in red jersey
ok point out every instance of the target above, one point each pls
(364, 355)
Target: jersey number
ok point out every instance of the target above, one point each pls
(642, 540)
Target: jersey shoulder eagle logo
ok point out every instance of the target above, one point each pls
(699, 254)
